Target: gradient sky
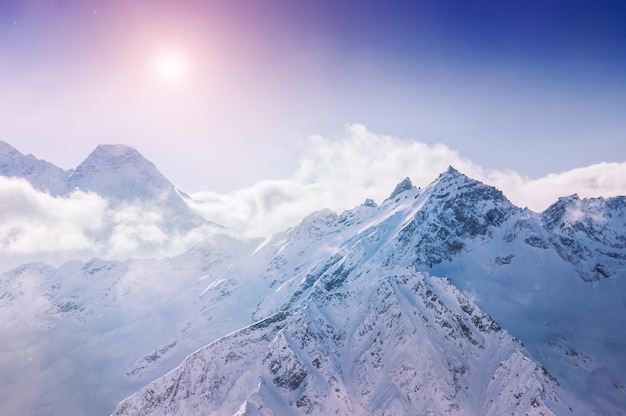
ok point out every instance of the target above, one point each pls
(534, 86)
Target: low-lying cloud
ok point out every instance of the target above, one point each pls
(33, 221)
(37, 226)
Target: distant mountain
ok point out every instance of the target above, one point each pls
(44, 176)
(343, 313)
(118, 173)
(122, 175)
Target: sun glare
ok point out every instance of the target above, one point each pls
(171, 66)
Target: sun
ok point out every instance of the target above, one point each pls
(171, 66)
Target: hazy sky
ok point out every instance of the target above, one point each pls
(223, 94)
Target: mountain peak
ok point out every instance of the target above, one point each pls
(452, 174)
(452, 170)
(120, 172)
(116, 150)
(452, 179)
(117, 154)
(404, 185)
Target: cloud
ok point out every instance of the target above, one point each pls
(33, 221)
(599, 180)
(37, 226)
(336, 174)
(144, 230)
(340, 173)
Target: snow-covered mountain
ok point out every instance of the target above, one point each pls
(342, 313)
(142, 214)
(116, 172)
(44, 176)
(121, 175)
(358, 332)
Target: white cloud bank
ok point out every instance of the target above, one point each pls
(333, 173)
(339, 174)
(32, 221)
(37, 226)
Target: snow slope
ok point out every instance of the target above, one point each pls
(399, 344)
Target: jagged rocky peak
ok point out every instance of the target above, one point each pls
(589, 233)
(119, 172)
(453, 184)
(459, 207)
(405, 185)
(451, 175)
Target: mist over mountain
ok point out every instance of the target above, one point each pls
(115, 204)
(443, 299)
(118, 172)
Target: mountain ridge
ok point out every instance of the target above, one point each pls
(42, 175)
(114, 171)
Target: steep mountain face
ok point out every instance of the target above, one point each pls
(325, 280)
(44, 176)
(452, 211)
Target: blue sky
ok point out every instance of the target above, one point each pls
(533, 86)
